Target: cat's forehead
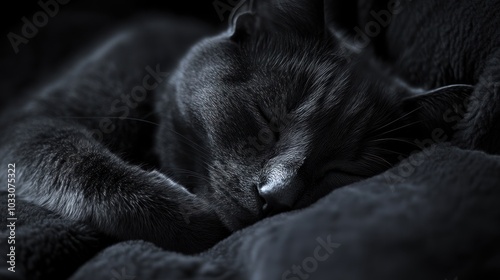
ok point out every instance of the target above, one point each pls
(284, 72)
(235, 85)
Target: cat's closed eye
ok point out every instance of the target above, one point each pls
(271, 123)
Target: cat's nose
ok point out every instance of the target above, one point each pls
(281, 183)
(276, 197)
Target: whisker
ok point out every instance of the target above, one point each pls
(373, 156)
(370, 168)
(203, 158)
(387, 150)
(201, 150)
(398, 128)
(204, 152)
(394, 139)
(401, 117)
(107, 117)
(192, 173)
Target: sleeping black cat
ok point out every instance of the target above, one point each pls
(265, 117)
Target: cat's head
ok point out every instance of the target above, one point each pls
(272, 114)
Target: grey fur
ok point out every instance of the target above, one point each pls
(343, 122)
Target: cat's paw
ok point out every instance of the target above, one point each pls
(157, 209)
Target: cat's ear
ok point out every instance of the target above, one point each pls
(243, 20)
(244, 25)
(440, 108)
(302, 16)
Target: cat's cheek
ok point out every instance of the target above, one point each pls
(248, 153)
(328, 184)
(340, 180)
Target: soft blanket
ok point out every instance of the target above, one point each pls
(435, 218)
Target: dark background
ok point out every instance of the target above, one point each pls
(77, 23)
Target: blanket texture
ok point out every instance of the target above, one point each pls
(432, 218)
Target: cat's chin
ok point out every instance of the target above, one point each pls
(236, 217)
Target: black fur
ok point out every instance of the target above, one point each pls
(268, 116)
(435, 43)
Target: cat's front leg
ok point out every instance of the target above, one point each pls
(61, 167)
